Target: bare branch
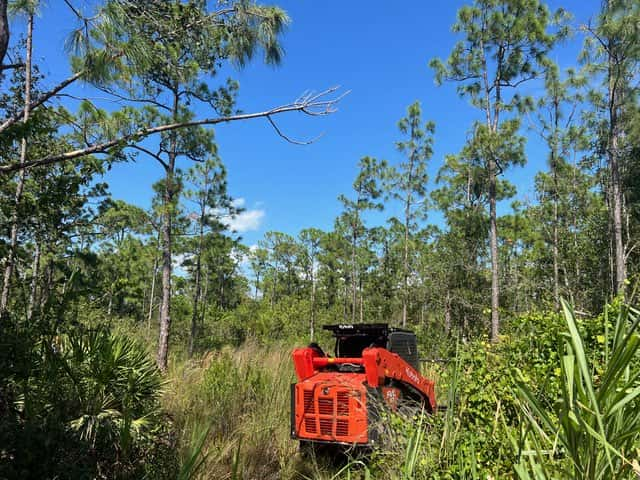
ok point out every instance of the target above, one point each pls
(75, 11)
(133, 100)
(595, 35)
(11, 66)
(310, 104)
(505, 83)
(155, 156)
(41, 99)
(289, 139)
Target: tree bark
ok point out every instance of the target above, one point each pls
(152, 293)
(312, 326)
(344, 304)
(447, 313)
(555, 248)
(13, 240)
(197, 287)
(492, 125)
(616, 192)
(615, 86)
(167, 244)
(405, 260)
(110, 304)
(556, 194)
(493, 241)
(35, 273)
(47, 286)
(274, 284)
(204, 300)
(354, 274)
(4, 30)
(257, 285)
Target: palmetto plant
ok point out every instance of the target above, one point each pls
(116, 385)
(594, 429)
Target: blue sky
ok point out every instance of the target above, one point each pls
(377, 50)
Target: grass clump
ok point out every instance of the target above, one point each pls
(241, 399)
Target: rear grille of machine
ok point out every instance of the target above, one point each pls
(327, 413)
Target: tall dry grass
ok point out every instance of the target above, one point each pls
(231, 411)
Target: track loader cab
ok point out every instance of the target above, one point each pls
(336, 397)
(351, 340)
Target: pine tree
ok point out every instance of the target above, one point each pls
(168, 77)
(556, 122)
(407, 183)
(612, 55)
(208, 191)
(368, 190)
(505, 44)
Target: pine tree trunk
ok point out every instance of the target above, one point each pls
(35, 273)
(407, 221)
(615, 85)
(13, 240)
(152, 293)
(167, 244)
(574, 225)
(312, 326)
(447, 313)
(274, 285)
(47, 287)
(4, 30)
(354, 276)
(344, 304)
(405, 263)
(110, 304)
(556, 194)
(197, 288)
(223, 301)
(204, 301)
(165, 312)
(616, 194)
(493, 241)
(492, 124)
(194, 315)
(555, 252)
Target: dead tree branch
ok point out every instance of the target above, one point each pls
(318, 104)
(41, 99)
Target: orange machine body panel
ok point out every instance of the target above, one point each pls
(335, 406)
(331, 408)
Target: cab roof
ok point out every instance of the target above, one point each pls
(382, 329)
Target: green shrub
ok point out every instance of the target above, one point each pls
(86, 406)
(593, 430)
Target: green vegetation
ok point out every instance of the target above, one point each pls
(153, 343)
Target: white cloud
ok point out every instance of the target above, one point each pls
(247, 221)
(177, 261)
(239, 202)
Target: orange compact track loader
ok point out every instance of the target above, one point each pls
(337, 398)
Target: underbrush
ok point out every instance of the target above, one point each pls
(231, 412)
(83, 404)
(89, 403)
(231, 409)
